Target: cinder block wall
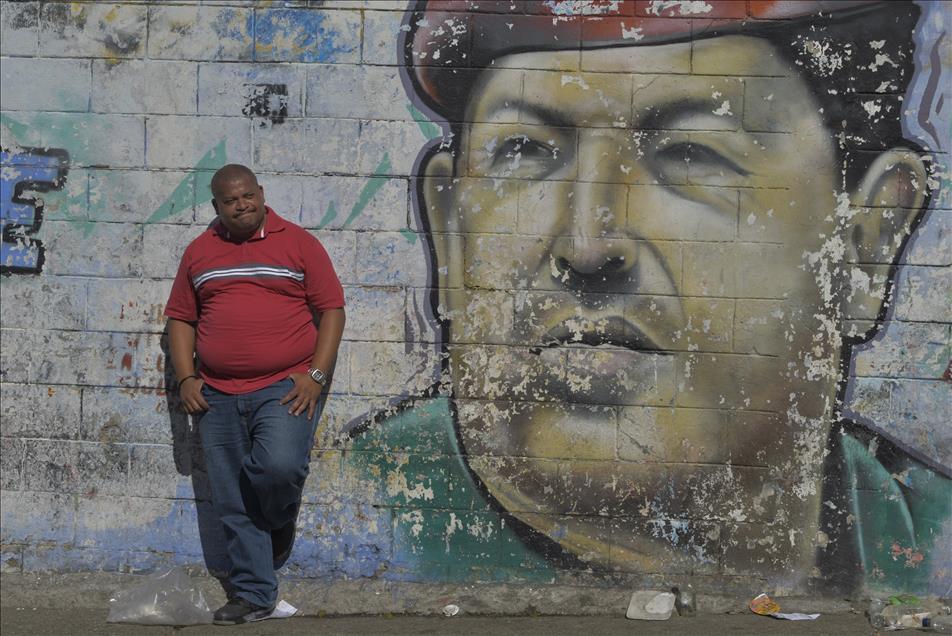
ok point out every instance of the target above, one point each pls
(580, 348)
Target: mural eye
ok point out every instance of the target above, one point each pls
(702, 159)
(516, 150)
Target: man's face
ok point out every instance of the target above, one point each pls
(639, 271)
(239, 202)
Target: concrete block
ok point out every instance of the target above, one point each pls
(492, 206)
(308, 145)
(153, 472)
(357, 203)
(69, 357)
(689, 220)
(43, 303)
(341, 246)
(93, 30)
(163, 246)
(271, 91)
(725, 381)
(724, 269)
(766, 107)
(570, 434)
(487, 317)
(11, 559)
(364, 92)
(54, 411)
(913, 412)
(473, 536)
(149, 370)
(381, 32)
(111, 250)
(67, 558)
(375, 313)
(388, 258)
(115, 141)
(141, 416)
(498, 261)
(225, 139)
(324, 478)
(102, 469)
(619, 377)
(139, 196)
(201, 32)
(45, 84)
(756, 323)
(19, 28)
(12, 451)
(931, 243)
(349, 541)
(646, 59)
(70, 202)
(922, 294)
(128, 523)
(385, 368)
(127, 305)
(33, 516)
(51, 466)
(341, 413)
(283, 194)
(340, 375)
(906, 350)
(144, 86)
(383, 147)
(299, 35)
(689, 549)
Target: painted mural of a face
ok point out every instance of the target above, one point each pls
(648, 281)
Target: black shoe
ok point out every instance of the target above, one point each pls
(238, 610)
(282, 540)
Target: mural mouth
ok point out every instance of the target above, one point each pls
(613, 332)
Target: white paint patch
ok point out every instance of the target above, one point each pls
(681, 7)
(569, 8)
(574, 79)
(634, 33)
(724, 109)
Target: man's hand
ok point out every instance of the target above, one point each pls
(304, 394)
(190, 390)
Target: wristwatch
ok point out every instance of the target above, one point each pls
(318, 376)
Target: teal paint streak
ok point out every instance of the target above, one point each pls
(409, 234)
(183, 194)
(428, 128)
(373, 186)
(329, 216)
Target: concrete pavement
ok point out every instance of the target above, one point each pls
(91, 622)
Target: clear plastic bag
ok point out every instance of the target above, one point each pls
(166, 598)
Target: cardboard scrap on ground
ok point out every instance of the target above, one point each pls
(765, 606)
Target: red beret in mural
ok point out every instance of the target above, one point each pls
(447, 36)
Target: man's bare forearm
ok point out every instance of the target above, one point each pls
(328, 339)
(182, 348)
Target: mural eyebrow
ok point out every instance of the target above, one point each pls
(665, 115)
(546, 115)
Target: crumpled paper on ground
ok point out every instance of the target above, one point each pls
(765, 606)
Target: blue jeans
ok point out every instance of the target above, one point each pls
(257, 457)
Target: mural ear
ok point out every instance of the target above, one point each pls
(437, 189)
(884, 204)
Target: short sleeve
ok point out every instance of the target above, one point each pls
(183, 302)
(322, 287)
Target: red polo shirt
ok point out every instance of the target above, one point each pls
(252, 302)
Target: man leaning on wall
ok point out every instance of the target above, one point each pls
(245, 300)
